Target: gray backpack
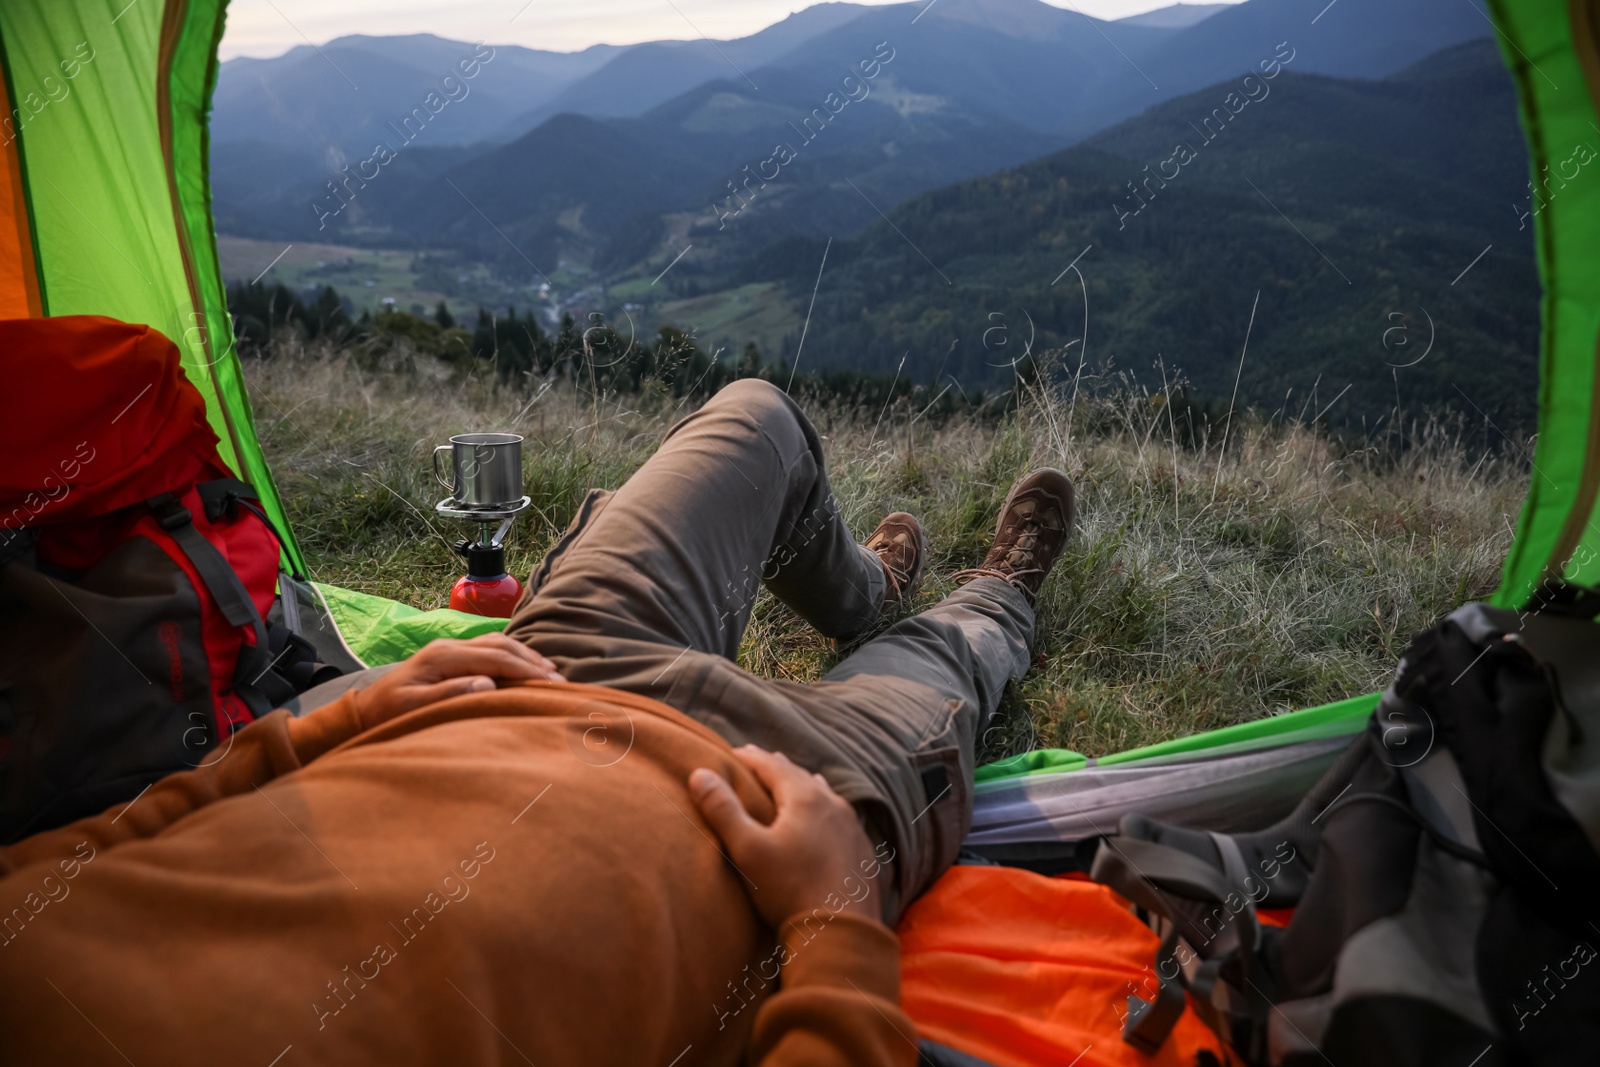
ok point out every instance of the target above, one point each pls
(1444, 873)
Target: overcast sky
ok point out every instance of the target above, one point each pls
(272, 27)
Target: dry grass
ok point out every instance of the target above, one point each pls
(1207, 585)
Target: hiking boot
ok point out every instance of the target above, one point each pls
(900, 546)
(1033, 528)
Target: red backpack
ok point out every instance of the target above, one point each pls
(136, 575)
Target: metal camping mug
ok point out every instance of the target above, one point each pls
(486, 469)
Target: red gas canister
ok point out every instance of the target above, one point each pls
(486, 589)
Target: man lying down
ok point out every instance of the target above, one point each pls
(593, 840)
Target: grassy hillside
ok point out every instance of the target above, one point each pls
(366, 276)
(758, 313)
(1219, 573)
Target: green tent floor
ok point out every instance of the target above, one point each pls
(380, 631)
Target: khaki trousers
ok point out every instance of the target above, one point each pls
(651, 588)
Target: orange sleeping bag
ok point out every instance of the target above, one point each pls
(1023, 970)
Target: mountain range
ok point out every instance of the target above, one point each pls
(1340, 243)
(314, 95)
(546, 151)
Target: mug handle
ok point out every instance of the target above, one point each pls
(439, 477)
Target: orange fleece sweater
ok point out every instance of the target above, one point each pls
(517, 876)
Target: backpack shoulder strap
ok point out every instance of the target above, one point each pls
(253, 674)
(1176, 886)
(215, 571)
(265, 675)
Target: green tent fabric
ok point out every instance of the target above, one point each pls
(1550, 50)
(1338, 719)
(105, 209)
(111, 163)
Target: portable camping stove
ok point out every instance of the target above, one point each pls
(487, 588)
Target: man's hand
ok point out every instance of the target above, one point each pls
(814, 855)
(448, 668)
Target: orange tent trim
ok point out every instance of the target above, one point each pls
(19, 273)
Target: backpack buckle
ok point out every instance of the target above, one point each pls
(170, 514)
